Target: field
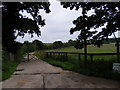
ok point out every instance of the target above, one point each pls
(101, 66)
(106, 48)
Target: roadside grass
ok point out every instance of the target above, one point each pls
(8, 67)
(40, 54)
(101, 66)
(65, 65)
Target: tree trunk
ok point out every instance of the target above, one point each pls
(85, 50)
(118, 57)
(85, 42)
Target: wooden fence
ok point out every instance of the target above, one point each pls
(49, 54)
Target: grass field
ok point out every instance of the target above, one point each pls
(106, 48)
(101, 67)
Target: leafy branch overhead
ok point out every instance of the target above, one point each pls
(14, 22)
(104, 13)
(21, 23)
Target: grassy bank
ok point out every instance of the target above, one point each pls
(8, 67)
(101, 67)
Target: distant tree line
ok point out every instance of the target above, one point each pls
(79, 45)
(27, 46)
(39, 45)
(60, 44)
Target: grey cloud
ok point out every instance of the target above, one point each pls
(58, 24)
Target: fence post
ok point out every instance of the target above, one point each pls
(79, 59)
(66, 55)
(58, 54)
(28, 56)
(53, 54)
(91, 57)
(47, 54)
(50, 54)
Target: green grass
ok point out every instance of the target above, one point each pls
(106, 48)
(101, 67)
(66, 65)
(8, 67)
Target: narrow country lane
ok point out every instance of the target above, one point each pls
(39, 74)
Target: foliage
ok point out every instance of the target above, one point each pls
(8, 67)
(78, 44)
(101, 66)
(40, 54)
(65, 65)
(38, 45)
(70, 42)
(98, 69)
(106, 12)
(14, 22)
(28, 47)
(57, 44)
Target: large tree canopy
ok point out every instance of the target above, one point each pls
(104, 13)
(38, 45)
(14, 22)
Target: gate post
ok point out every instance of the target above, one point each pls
(28, 56)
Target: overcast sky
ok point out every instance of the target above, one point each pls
(58, 24)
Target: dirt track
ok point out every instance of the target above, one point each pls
(39, 74)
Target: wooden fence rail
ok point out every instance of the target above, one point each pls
(49, 54)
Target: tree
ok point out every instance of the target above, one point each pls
(14, 22)
(57, 44)
(104, 13)
(38, 45)
(26, 47)
(70, 42)
(78, 44)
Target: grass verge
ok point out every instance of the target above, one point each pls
(99, 68)
(8, 67)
